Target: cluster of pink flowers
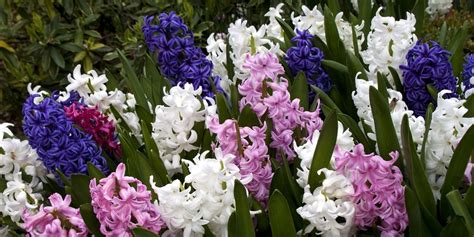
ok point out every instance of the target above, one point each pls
(93, 122)
(252, 157)
(379, 195)
(120, 207)
(59, 219)
(286, 114)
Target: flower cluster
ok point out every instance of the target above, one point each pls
(448, 126)
(93, 93)
(174, 122)
(329, 208)
(58, 143)
(286, 114)
(426, 66)
(96, 124)
(22, 172)
(250, 151)
(59, 219)
(468, 76)
(379, 196)
(388, 43)
(307, 59)
(210, 202)
(123, 203)
(313, 21)
(179, 59)
(438, 7)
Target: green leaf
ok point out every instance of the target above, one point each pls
(396, 79)
(455, 227)
(355, 66)
(71, 47)
(229, 65)
(428, 116)
(280, 217)
(415, 171)
(458, 163)
(349, 122)
(325, 99)
(222, 108)
(460, 209)
(248, 118)
(141, 232)
(382, 85)
(234, 98)
(80, 189)
(133, 82)
(433, 91)
(365, 14)
(93, 225)
(299, 89)
(442, 34)
(324, 149)
(387, 140)
(415, 219)
(469, 199)
(332, 36)
(93, 33)
(241, 224)
(57, 57)
(287, 29)
(156, 163)
(335, 65)
(68, 6)
(457, 48)
(157, 81)
(419, 11)
(94, 172)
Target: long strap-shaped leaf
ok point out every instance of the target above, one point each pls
(133, 82)
(324, 149)
(281, 221)
(240, 223)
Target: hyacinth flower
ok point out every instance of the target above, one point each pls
(180, 61)
(251, 154)
(93, 122)
(306, 58)
(468, 76)
(427, 65)
(286, 114)
(59, 144)
(59, 219)
(122, 203)
(379, 195)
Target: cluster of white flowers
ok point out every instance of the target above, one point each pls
(398, 109)
(313, 21)
(329, 208)
(91, 87)
(439, 7)
(243, 40)
(210, 202)
(448, 126)
(388, 43)
(344, 142)
(22, 172)
(173, 126)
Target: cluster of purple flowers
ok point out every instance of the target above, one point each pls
(306, 58)
(59, 144)
(179, 59)
(426, 66)
(468, 72)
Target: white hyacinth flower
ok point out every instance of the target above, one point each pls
(211, 202)
(174, 122)
(329, 208)
(82, 83)
(19, 196)
(5, 130)
(305, 152)
(438, 7)
(17, 156)
(448, 126)
(274, 28)
(388, 43)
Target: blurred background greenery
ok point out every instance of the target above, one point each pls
(42, 40)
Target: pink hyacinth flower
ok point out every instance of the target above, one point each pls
(57, 220)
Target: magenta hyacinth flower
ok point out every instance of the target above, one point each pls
(120, 207)
(379, 194)
(59, 219)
